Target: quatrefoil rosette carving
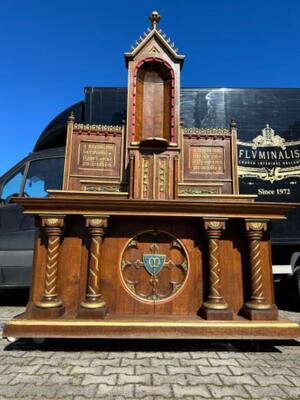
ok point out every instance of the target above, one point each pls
(154, 266)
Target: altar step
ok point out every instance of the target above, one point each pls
(145, 327)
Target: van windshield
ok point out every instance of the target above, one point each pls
(43, 175)
(12, 186)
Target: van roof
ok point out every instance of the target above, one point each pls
(54, 135)
(252, 108)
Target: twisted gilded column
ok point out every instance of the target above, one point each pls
(54, 227)
(254, 232)
(93, 298)
(215, 306)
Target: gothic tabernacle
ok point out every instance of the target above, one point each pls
(149, 236)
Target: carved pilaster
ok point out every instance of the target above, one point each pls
(54, 227)
(93, 298)
(257, 302)
(145, 184)
(131, 176)
(176, 177)
(215, 307)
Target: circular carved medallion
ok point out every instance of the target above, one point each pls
(154, 266)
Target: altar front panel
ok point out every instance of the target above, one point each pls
(185, 266)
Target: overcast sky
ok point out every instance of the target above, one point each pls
(52, 49)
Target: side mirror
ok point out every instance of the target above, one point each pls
(8, 198)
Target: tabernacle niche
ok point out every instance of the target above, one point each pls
(153, 101)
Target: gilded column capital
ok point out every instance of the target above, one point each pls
(52, 221)
(255, 228)
(96, 221)
(214, 225)
(256, 225)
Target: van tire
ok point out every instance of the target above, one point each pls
(296, 275)
(294, 288)
(38, 340)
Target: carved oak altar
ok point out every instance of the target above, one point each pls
(149, 236)
(123, 268)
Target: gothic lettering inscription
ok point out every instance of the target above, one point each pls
(206, 159)
(97, 155)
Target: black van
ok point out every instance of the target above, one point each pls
(32, 177)
(270, 178)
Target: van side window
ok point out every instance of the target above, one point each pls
(43, 175)
(12, 186)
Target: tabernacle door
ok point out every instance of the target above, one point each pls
(154, 174)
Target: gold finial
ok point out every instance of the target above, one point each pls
(71, 117)
(154, 18)
(232, 123)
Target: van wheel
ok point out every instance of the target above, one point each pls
(38, 340)
(294, 288)
(296, 275)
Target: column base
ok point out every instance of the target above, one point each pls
(49, 303)
(92, 313)
(266, 312)
(94, 303)
(53, 311)
(209, 313)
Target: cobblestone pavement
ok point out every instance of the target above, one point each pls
(148, 370)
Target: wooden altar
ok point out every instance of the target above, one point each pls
(149, 236)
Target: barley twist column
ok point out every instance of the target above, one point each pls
(54, 228)
(93, 297)
(215, 307)
(254, 232)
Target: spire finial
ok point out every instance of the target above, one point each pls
(71, 117)
(154, 18)
(232, 123)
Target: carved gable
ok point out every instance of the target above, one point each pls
(153, 88)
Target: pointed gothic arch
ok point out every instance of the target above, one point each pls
(153, 103)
